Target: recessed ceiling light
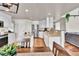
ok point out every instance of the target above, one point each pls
(26, 10)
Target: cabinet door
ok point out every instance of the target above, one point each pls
(11, 38)
(56, 39)
(44, 23)
(46, 40)
(51, 23)
(57, 26)
(47, 22)
(50, 43)
(41, 34)
(52, 39)
(40, 24)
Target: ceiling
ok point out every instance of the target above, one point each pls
(39, 11)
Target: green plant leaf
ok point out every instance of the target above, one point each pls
(67, 17)
(8, 50)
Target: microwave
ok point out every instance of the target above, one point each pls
(1, 24)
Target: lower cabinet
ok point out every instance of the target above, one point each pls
(41, 34)
(53, 39)
(11, 38)
(49, 40)
(46, 40)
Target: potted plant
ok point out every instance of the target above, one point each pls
(67, 17)
(8, 50)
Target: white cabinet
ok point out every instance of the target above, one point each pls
(47, 23)
(51, 42)
(51, 22)
(50, 39)
(53, 39)
(41, 34)
(42, 24)
(31, 41)
(57, 26)
(46, 39)
(11, 38)
(7, 20)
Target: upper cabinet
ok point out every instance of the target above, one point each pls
(7, 20)
(46, 23)
(42, 24)
(51, 22)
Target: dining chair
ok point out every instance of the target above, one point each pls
(59, 50)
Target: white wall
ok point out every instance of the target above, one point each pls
(72, 25)
(60, 25)
(21, 26)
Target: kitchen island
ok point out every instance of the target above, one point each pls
(50, 37)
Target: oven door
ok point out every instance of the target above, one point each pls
(1, 24)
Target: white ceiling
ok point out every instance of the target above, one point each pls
(39, 11)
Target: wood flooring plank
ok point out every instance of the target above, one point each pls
(39, 42)
(72, 50)
(39, 46)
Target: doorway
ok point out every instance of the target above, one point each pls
(35, 30)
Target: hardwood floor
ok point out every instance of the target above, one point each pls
(23, 50)
(39, 46)
(72, 50)
(39, 42)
